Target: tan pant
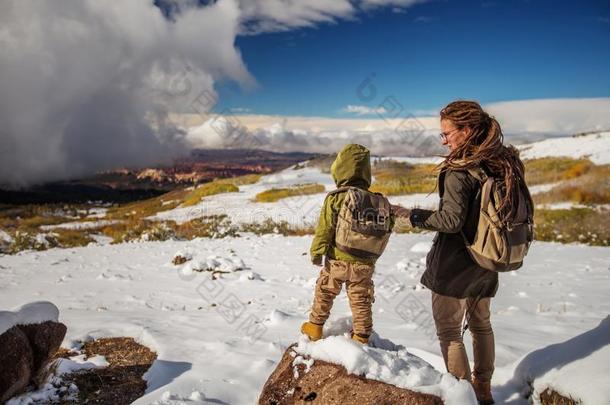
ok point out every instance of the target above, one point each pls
(358, 278)
(448, 315)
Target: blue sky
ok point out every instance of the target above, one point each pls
(428, 54)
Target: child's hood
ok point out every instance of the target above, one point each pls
(352, 167)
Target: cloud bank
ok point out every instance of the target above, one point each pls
(522, 122)
(81, 82)
(87, 85)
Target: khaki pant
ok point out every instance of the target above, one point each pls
(358, 278)
(448, 315)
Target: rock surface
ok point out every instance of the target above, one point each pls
(45, 339)
(24, 352)
(329, 384)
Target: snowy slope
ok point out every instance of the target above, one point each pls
(214, 356)
(300, 211)
(596, 147)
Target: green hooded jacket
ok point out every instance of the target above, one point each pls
(352, 167)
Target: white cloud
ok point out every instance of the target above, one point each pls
(282, 15)
(81, 82)
(522, 121)
(537, 119)
(87, 85)
(363, 110)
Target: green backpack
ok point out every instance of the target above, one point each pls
(501, 245)
(364, 224)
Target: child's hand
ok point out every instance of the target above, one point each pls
(316, 261)
(399, 211)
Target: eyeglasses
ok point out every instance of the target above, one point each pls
(444, 135)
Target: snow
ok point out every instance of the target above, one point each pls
(221, 321)
(596, 147)
(219, 340)
(302, 211)
(397, 367)
(578, 367)
(212, 263)
(5, 237)
(32, 313)
(241, 208)
(80, 225)
(53, 390)
(415, 160)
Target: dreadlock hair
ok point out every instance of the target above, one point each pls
(484, 147)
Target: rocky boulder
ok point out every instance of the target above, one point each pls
(16, 360)
(29, 337)
(319, 382)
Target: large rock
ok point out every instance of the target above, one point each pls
(25, 351)
(16, 363)
(45, 338)
(330, 384)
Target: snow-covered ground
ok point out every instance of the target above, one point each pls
(301, 211)
(219, 333)
(218, 340)
(80, 225)
(596, 147)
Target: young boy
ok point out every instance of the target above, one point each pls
(352, 232)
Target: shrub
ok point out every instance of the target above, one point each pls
(68, 238)
(32, 241)
(582, 225)
(269, 226)
(211, 226)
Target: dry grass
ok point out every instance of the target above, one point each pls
(554, 169)
(149, 207)
(119, 383)
(397, 178)
(68, 238)
(551, 397)
(211, 226)
(589, 189)
(215, 187)
(241, 180)
(584, 225)
(276, 194)
(322, 163)
(269, 226)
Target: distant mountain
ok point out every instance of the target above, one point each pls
(129, 184)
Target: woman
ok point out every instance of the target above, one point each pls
(460, 288)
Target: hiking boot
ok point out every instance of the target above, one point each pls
(364, 339)
(312, 330)
(482, 390)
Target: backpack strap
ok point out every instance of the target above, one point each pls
(486, 184)
(478, 173)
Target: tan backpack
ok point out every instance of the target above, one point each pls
(501, 245)
(363, 224)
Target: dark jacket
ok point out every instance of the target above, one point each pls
(450, 270)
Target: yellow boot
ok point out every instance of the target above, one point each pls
(312, 330)
(360, 338)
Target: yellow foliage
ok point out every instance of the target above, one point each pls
(207, 189)
(276, 194)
